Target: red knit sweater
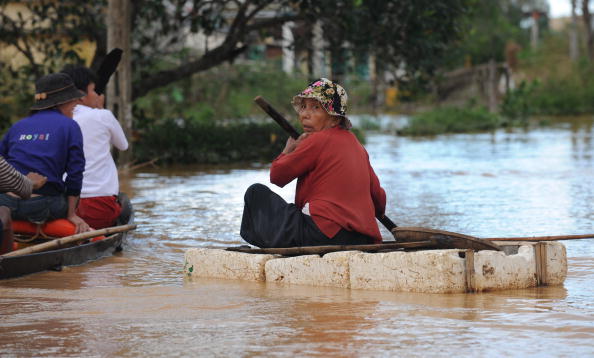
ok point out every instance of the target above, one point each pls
(336, 179)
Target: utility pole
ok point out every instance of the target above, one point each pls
(574, 49)
(534, 32)
(587, 17)
(288, 47)
(119, 91)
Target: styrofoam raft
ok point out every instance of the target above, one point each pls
(430, 271)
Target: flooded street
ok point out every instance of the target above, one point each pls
(138, 304)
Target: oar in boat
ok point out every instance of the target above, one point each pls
(57, 243)
(107, 68)
(446, 239)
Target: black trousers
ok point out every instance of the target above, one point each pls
(269, 221)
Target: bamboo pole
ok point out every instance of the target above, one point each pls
(542, 238)
(320, 250)
(57, 243)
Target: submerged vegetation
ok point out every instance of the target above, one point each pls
(195, 142)
(451, 120)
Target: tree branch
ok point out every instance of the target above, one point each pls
(207, 61)
(227, 51)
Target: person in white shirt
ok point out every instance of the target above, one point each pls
(99, 205)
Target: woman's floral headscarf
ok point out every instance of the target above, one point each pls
(331, 95)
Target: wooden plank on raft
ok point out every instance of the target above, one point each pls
(469, 270)
(321, 250)
(540, 258)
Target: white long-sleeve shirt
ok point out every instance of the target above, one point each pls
(100, 131)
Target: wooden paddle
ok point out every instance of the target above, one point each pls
(107, 68)
(58, 243)
(282, 121)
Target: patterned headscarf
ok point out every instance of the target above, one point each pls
(331, 95)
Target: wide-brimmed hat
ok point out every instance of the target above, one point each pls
(331, 95)
(54, 89)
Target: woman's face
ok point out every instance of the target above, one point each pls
(313, 116)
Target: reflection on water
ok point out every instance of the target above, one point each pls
(136, 303)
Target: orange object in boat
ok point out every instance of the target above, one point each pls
(54, 228)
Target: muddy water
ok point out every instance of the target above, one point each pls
(503, 184)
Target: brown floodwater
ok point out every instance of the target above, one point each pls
(138, 304)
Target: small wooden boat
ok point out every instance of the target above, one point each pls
(15, 266)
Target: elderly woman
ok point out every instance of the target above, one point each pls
(338, 194)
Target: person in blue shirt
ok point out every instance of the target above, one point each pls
(50, 143)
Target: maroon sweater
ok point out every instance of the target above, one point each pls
(336, 179)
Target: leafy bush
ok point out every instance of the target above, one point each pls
(451, 120)
(573, 94)
(197, 142)
(211, 117)
(174, 141)
(226, 92)
(516, 105)
(16, 96)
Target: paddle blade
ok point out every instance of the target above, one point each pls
(444, 239)
(107, 68)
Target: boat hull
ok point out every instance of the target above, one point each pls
(55, 259)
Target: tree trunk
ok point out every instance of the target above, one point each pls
(492, 86)
(288, 47)
(317, 51)
(119, 91)
(373, 78)
(534, 35)
(574, 49)
(587, 17)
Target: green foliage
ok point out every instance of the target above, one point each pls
(221, 94)
(451, 120)
(556, 85)
(210, 143)
(491, 26)
(410, 37)
(410, 32)
(359, 93)
(50, 28)
(516, 106)
(14, 104)
(212, 118)
(573, 94)
(367, 123)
